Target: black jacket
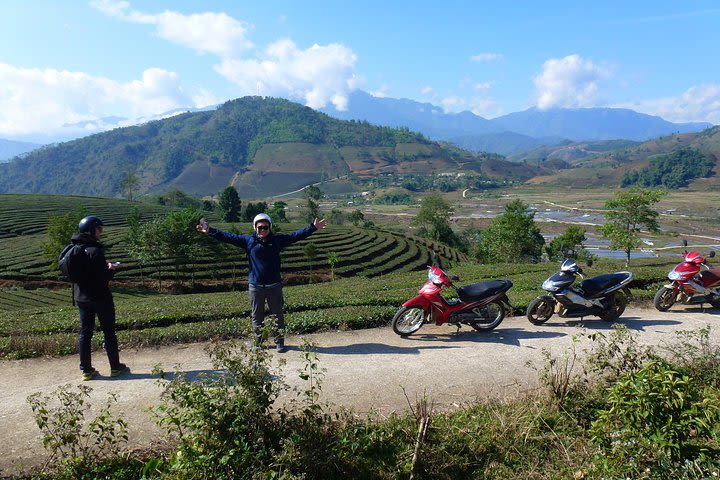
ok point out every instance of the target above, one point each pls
(96, 287)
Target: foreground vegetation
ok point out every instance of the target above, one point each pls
(624, 411)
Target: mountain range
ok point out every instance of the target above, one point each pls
(10, 148)
(509, 134)
(512, 133)
(269, 146)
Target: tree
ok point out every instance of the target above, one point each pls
(511, 237)
(433, 219)
(568, 245)
(356, 217)
(229, 204)
(311, 251)
(177, 198)
(277, 212)
(171, 236)
(332, 259)
(312, 208)
(626, 214)
(252, 209)
(337, 217)
(130, 184)
(60, 229)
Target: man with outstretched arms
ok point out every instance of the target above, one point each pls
(264, 281)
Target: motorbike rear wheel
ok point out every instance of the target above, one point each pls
(615, 304)
(408, 320)
(540, 310)
(715, 302)
(494, 313)
(664, 299)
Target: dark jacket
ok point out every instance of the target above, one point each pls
(96, 286)
(263, 257)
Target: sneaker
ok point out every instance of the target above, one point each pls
(89, 375)
(280, 348)
(122, 368)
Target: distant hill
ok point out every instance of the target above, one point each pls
(263, 146)
(426, 118)
(583, 124)
(11, 148)
(606, 166)
(507, 134)
(505, 143)
(570, 152)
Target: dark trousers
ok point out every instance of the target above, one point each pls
(274, 299)
(105, 312)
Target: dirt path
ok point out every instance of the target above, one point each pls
(367, 370)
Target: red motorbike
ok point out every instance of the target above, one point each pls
(690, 283)
(481, 305)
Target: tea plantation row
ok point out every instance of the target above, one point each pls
(355, 302)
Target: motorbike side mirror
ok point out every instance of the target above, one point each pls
(589, 262)
(454, 278)
(711, 254)
(684, 242)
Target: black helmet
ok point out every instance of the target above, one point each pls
(89, 224)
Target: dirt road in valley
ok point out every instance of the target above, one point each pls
(368, 370)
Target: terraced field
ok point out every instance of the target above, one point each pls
(29, 214)
(23, 219)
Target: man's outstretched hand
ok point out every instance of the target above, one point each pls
(204, 229)
(320, 224)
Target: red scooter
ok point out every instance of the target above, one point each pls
(481, 305)
(690, 284)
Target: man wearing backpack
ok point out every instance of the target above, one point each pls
(264, 283)
(91, 275)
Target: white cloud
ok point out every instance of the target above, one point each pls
(485, 107)
(427, 90)
(482, 86)
(317, 75)
(35, 100)
(569, 82)
(486, 57)
(381, 92)
(697, 104)
(208, 32)
(452, 103)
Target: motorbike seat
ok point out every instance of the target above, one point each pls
(710, 278)
(480, 290)
(595, 286)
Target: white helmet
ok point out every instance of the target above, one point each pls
(262, 216)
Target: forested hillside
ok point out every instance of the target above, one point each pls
(202, 152)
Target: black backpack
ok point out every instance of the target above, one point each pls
(74, 263)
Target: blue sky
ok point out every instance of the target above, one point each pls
(78, 61)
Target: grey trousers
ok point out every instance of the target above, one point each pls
(274, 299)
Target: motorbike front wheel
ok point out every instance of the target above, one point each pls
(540, 310)
(493, 313)
(614, 307)
(408, 320)
(664, 299)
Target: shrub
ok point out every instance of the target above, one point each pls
(74, 442)
(653, 415)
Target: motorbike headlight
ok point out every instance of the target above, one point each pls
(675, 275)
